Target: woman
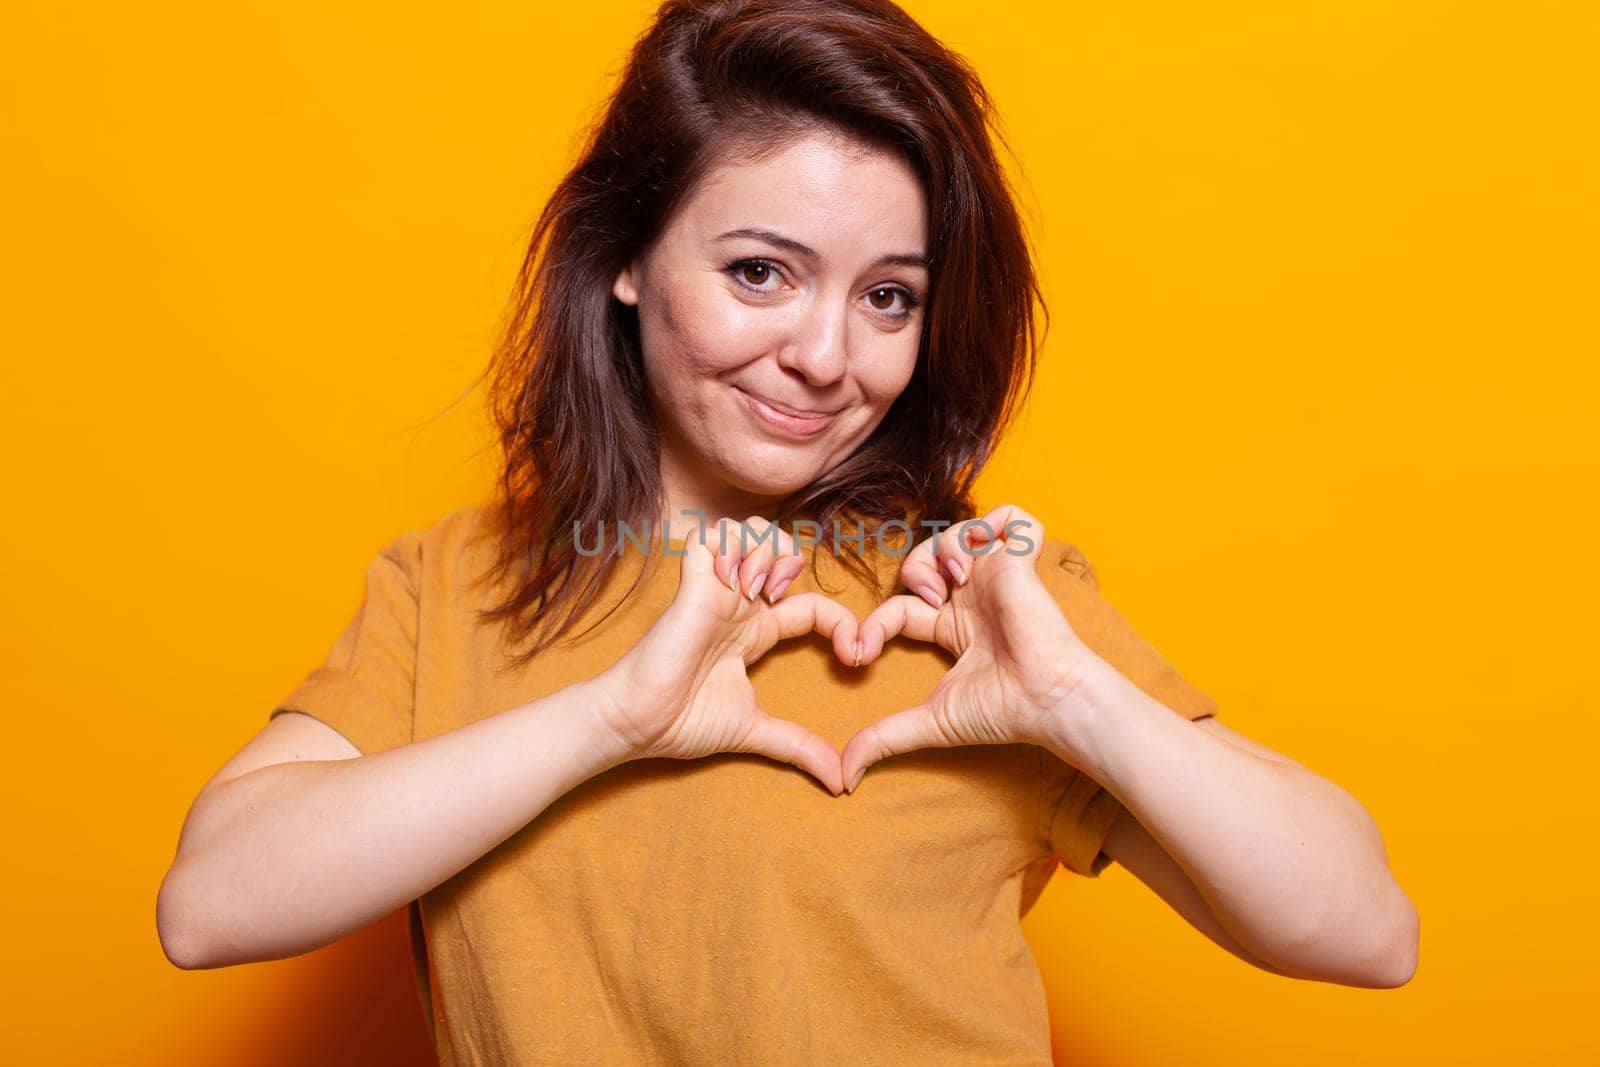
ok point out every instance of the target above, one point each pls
(785, 281)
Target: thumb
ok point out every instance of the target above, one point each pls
(789, 742)
(903, 731)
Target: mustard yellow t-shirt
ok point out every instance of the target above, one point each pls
(729, 910)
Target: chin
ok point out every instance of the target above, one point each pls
(785, 475)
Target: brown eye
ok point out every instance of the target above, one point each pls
(882, 299)
(753, 274)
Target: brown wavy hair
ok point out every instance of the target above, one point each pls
(714, 80)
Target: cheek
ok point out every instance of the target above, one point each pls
(886, 375)
(705, 331)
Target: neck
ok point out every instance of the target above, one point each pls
(691, 495)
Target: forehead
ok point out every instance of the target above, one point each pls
(841, 197)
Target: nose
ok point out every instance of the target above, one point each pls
(817, 350)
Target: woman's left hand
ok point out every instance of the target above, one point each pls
(1018, 659)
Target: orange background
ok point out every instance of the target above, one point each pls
(1317, 401)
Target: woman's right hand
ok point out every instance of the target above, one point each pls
(682, 692)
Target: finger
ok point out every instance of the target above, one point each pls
(961, 545)
(723, 540)
(920, 572)
(698, 559)
(1021, 531)
(760, 543)
(903, 614)
(771, 561)
(893, 735)
(783, 574)
(806, 612)
(789, 742)
(785, 570)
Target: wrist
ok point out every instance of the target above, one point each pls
(1073, 724)
(610, 695)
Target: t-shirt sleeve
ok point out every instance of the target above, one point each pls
(366, 688)
(1078, 811)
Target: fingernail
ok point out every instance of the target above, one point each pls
(777, 591)
(733, 580)
(929, 593)
(959, 571)
(858, 653)
(755, 587)
(851, 788)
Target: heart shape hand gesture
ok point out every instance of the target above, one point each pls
(1018, 658)
(683, 692)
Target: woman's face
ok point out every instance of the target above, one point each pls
(780, 314)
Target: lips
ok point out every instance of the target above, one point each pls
(784, 420)
(787, 409)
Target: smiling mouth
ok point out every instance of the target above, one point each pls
(790, 421)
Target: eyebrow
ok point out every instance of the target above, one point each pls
(901, 259)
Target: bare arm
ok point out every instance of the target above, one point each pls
(1290, 866)
(300, 839)
(289, 856)
(1132, 846)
